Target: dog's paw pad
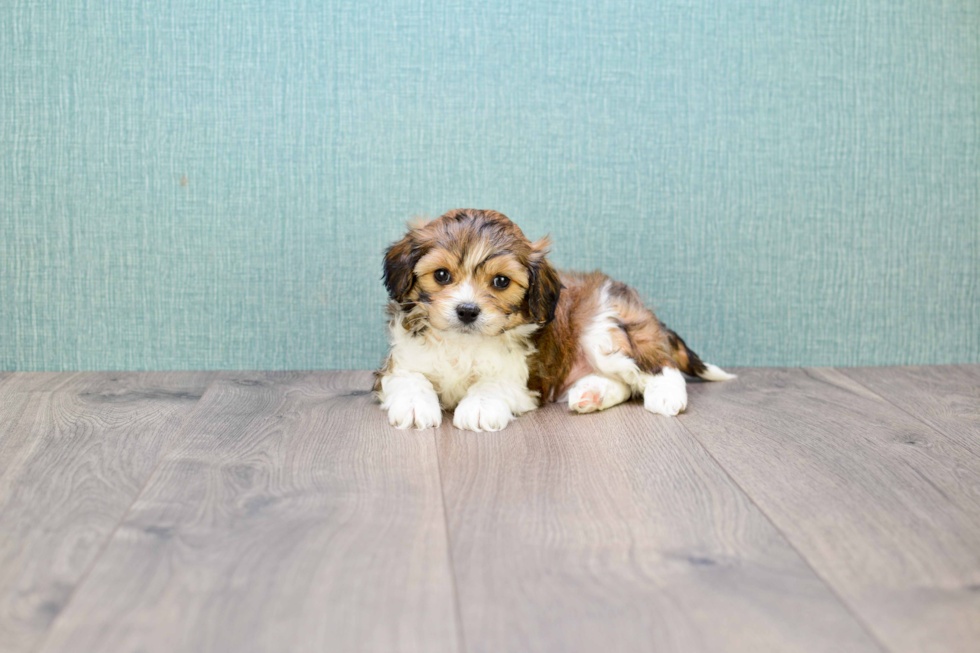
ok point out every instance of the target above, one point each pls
(593, 393)
(589, 401)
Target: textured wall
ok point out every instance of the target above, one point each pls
(210, 184)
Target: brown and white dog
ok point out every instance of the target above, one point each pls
(481, 323)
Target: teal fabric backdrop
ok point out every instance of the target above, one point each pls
(211, 184)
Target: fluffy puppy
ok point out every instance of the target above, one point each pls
(481, 323)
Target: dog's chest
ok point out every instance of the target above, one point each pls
(454, 364)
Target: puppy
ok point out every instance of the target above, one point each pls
(481, 323)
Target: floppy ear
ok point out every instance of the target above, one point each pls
(399, 266)
(544, 284)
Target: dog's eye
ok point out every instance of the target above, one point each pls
(442, 276)
(500, 282)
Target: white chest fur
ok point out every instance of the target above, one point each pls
(454, 362)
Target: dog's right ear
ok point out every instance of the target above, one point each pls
(544, 288)
(399, 266)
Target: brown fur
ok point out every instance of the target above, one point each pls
(475, 246)
(639, 334)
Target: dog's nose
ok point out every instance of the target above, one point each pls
(467, 313)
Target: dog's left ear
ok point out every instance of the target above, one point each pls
(399, 266)
(544, 284)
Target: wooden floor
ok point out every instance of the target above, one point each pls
(789, 510)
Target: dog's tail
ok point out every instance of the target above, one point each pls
(689, 362)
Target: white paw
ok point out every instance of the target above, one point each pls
(666, 393)
(413, 410)
(482, 413)
(594, 392)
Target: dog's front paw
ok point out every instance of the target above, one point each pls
(666, 393)
(482, 413)
(414, 410)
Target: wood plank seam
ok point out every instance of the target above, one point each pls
(105, 545)
(449, 548)
(585, 533)
(918, 419)
(845, 475)
(335, 513)
(857, 617)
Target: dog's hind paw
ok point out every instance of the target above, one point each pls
(666, 393)
(594, 392)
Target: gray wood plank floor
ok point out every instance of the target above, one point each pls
(288, 517)
(944, 396)
(75, 451)
(788, 510)
(617, 532)
(883, 507)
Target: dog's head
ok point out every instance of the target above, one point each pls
(471, 271)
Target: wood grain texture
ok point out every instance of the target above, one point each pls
(946, 397)
(885, 509)
(75, 450)
(617, 532)
(290, 517)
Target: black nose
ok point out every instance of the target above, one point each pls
(467, 313)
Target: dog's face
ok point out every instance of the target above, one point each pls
(471, 271)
